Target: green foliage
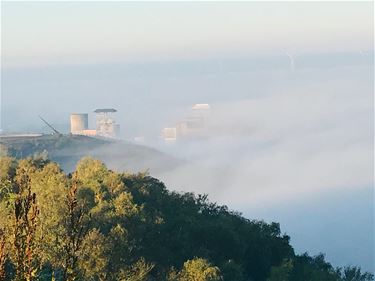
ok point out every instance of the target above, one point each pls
(3, 150)
(75, 228)
(199, 269)
(312, 269)
(93, 259)
(24, 231)
(232, 271)
(96, 224)
(353, 273)
(281, 272)
(8, 167)
(3, 254)
(138, 271)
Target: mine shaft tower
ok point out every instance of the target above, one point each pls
(106, 125)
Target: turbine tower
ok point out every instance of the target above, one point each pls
(291, 61)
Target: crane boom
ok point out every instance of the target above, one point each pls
(49, 125)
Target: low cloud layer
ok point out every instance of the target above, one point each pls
(300, 154)
(292, 142)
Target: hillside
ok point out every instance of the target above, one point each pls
(68, 149)
(96, 224)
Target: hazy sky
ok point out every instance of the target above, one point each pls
(39, 33)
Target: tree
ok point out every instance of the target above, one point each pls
(314, 268)
(281, 272)
(232, 271)
(3, 255)
(75, 225)
(199, 269)
(50, 185)
(26, 220)
(138, 271)
(94, 256)
(96, 224)
(353, 273)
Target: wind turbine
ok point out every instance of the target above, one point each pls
(291, 61)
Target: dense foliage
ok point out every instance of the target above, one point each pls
(96, 224)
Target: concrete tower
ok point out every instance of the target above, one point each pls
(78, 123)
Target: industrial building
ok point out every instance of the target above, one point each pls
(190, 127)
(201, 106)
(169, 134)
(79, 122)
(106, 126)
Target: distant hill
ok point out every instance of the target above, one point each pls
(68, 149)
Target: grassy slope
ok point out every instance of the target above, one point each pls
(67, 150)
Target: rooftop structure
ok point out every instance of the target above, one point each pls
(105, 110)
(200, 106)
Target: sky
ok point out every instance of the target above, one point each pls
(47, 32)
(291, 144)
